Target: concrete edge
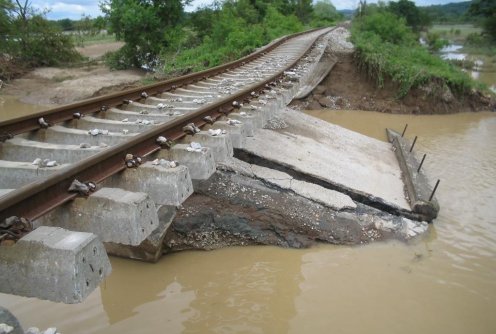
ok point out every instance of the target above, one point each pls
(416, 183)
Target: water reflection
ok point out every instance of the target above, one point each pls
(483, 67)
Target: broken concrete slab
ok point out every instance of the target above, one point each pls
(364, 168)
(232, 208)
(416, 182)
(330, 198)
(113, 214)
(55, 264)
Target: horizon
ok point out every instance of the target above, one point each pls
(74, 9)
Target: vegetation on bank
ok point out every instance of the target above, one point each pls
(387, 48)
(161, 36)
(28, 40)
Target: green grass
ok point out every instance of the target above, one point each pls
(406, 63)
(456, 33)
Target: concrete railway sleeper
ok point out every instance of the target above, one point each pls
(112, 174)
(130, 210)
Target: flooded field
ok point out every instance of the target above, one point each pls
(444, 283)
(483, 67)
(11, 108)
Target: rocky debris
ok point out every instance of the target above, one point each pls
(339, 41)
(9, 323)
(330, 102)
(44, 162)
(165, 163)
(164, 106)
(233, 122)
(144, 121)
(195, 147)
(276, 122)
(96, 132)
(82, 188)
(235, 207)
(216, 132)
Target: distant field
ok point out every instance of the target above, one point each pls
(455, 32)
(87, 40)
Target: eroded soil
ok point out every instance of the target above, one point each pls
(346, 87)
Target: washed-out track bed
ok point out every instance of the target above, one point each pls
(105, 175)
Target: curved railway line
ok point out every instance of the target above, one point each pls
(107, 175)
(94, 139)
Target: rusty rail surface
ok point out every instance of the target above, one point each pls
(38, 198)
(23, 124)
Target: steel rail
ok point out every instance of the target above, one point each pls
(38, 198)
(23, 124)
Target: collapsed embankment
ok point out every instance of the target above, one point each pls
(350, 86)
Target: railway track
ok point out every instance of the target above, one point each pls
(90, 141)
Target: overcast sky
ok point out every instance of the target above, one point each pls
(73, 9)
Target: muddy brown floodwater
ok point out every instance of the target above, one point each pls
(10, 108)
(444, 283)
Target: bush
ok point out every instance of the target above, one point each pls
(386, 50)
(232, 35)
(387, 26)
(435, 42)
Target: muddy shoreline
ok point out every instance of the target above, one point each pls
(347, 87)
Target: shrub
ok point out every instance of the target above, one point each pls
(394, 54)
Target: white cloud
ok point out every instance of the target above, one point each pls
(72, 9)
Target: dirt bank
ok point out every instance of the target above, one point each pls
(346, 87)
(52, 86)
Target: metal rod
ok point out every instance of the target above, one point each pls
(434, 191)
(414, 141)
(404, 130)
(421, 163)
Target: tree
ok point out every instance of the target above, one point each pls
(5, 20)
(303, 10)
(66, 24)
(325, 12)
(143, 25)
(408, 10)
(486, 9)
(28, 40)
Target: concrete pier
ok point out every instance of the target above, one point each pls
(54, 264)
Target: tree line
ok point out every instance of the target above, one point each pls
(161, 35)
